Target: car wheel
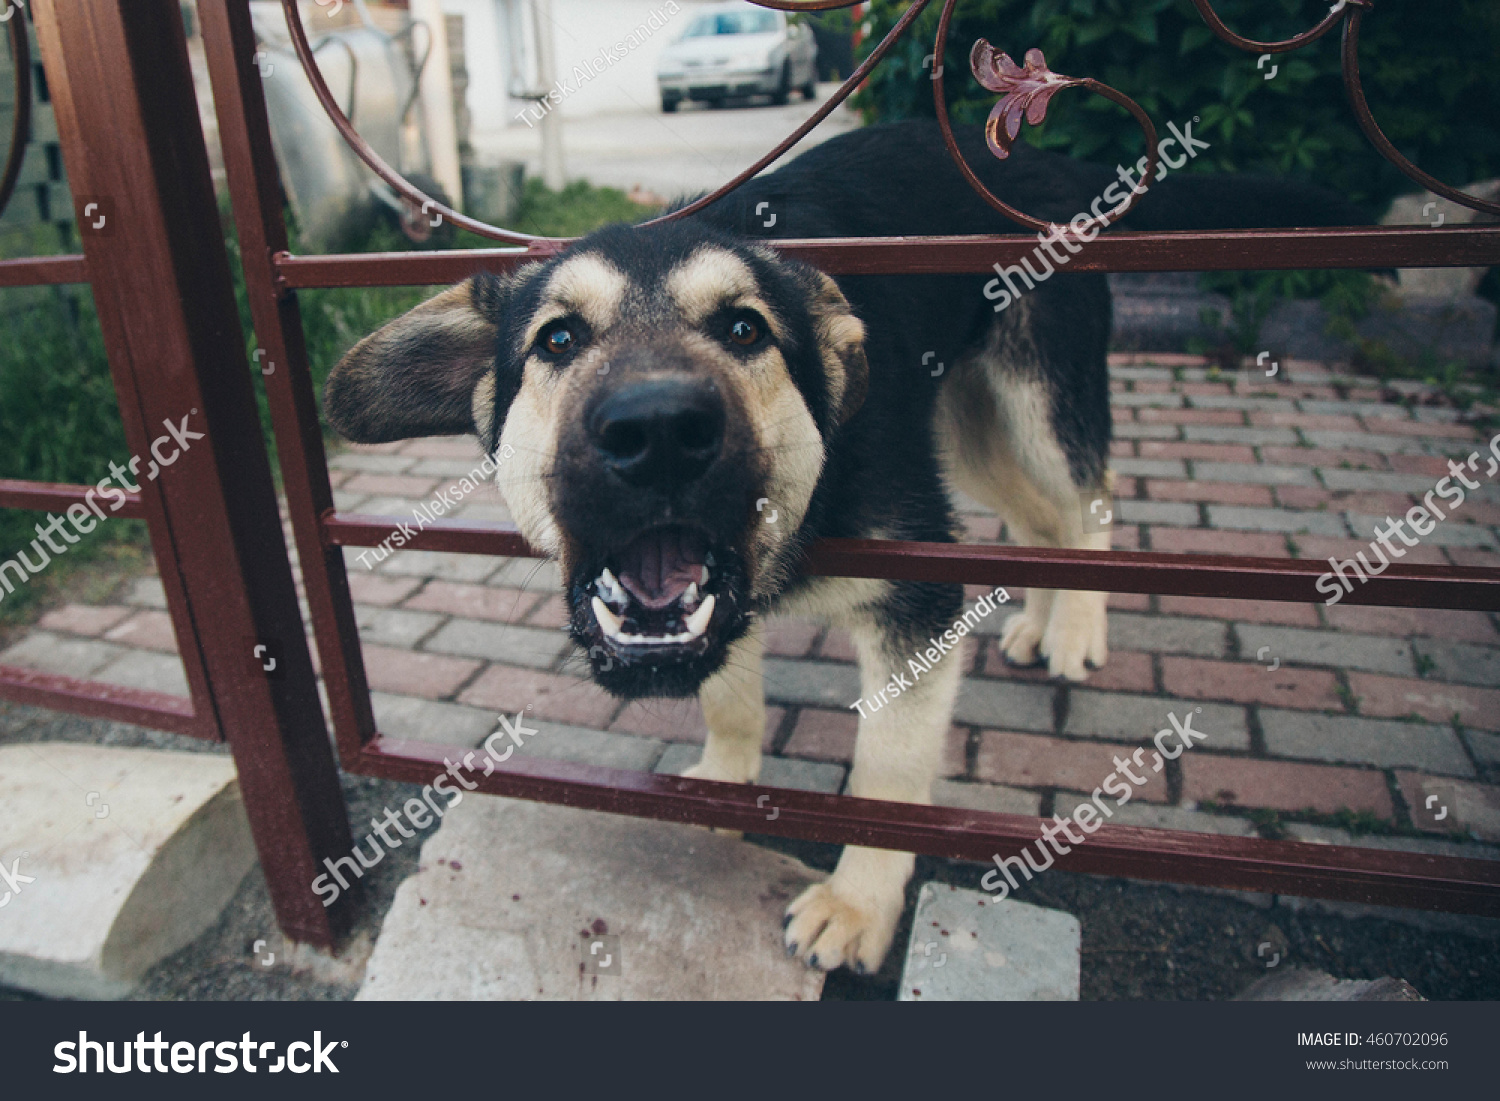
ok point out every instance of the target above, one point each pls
(783, 94)
(669, 103)
(810, 90)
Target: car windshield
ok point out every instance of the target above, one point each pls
(732, 22)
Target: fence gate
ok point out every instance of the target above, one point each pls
(119, 75)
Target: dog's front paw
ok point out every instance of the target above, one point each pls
(1077, 634)
(1021, 640)
(851, 917)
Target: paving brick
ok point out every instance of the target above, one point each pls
(395, 447)
(371, 464)
(1155, 817)
(1388, 481)
(1200, 388)
(1164, 399)
(1209, 541)
(554, 697)
(1284, 419)
(1017, 706)
(143, 669)
(1118, 717)
(995, 798)
(984, 529)
(1397, 697)
(406, 673)
(1150, 468)
(1250, 682)
(1163, 634)
(1462, 663)
(1357, 740)
(69, 657)
(1472, 557)
(1157, 512)
(1122, 365)
(148, 629)
(1275, 519)
(1459, 626)
(561, 742)
(1225, 493)
(1121, 449)
(1024, 760)
(681, 721)
(475, 601)
(1380, 410)
(813, 683)
(394, 626)
(1430, 466)
(444, 469)
(348, 502)
(1125, 671)
(1418, 428)
(1340, 649)
(1208, 452)
(389, 485)
(532, 574)
(837, 646)
(1443, 534)
(1224, 417)
(529, 646)
(1362, 441)
(379, 589)
(1283, 785)
(1342, 458)
(1129, 602)
(830, 736)
(1214, 433)
(1485, 747)
(146, 592)
(440, 564)
(84, 619)
(1145, 431)
(1342, 500)
(411, 717)
(791, 638)
(1253, 474)
(1245, 611)
(1472, 808)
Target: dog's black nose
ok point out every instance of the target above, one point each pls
(662, 433)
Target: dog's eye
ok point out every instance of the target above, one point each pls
(557, 338)
(745, 331)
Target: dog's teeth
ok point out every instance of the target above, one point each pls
(703, 577)
(690, 595)
(609, 587)
(697, 623)
(608, 621)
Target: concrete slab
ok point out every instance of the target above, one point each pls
(510, 896)
(968, 947)
(125, 856)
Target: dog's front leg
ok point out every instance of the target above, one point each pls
(851, 917)
(734, 703)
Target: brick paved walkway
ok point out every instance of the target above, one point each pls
(1370, 710)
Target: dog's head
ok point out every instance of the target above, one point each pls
(666, 396)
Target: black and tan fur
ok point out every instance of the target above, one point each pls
(832, 416)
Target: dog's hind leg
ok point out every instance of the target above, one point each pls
(996, 425)
(851, 917)
(734, 703)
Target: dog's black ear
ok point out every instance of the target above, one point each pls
(841, 341)
(417, 375)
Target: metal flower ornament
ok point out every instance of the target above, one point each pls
(1023, 90)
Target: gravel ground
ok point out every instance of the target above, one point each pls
(1140, 941)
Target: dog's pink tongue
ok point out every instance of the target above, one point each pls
(658, 566)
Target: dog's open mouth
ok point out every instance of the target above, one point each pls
(657, 614)
(659, 594)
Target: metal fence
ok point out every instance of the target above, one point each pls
(129, 129)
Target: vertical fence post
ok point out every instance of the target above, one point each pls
(128, 121)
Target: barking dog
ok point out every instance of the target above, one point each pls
(657, 385)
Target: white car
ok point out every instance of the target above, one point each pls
(738, 50)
